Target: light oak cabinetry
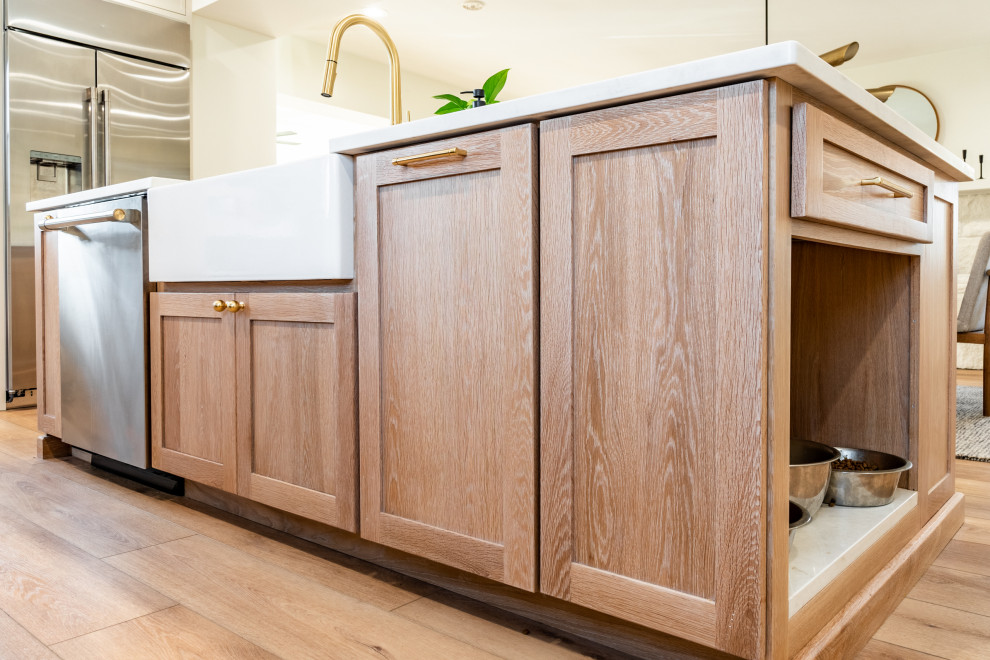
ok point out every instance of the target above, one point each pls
(193, 388)
(653, 340)
(583, 348)
(446, 253)
(47, 337)
(259, 401)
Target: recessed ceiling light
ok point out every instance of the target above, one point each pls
(473, 5)
(374, 12)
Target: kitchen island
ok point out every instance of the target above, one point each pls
(582, 330)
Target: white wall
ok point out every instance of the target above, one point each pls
(362, 84)
(241, 78)
(233, 98)
(958, 82)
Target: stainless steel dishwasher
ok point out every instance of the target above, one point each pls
(102, 286)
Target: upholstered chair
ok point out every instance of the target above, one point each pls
(974, 315)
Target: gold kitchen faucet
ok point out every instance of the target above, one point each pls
(333, 52)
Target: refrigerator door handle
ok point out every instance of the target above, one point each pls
(107, 160)
(91, 94)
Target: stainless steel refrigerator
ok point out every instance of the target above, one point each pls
(96, 94)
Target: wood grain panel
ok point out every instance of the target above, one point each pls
(173, 633)
(49, 374)
(855, 623)
(467, 553)
(557, 428)
(819, 233)
(831, 157)
(294, 444)
(298, 347)
(653, 312)
(780, 227)
(852, 347)
(811, 619)
(442, 279)
(741, 394)
(57, 591)
(936, 372)
(687, 117)
(645, 604)
(447, 351)
(193, 388)
(484, 152)
(842, 172)
(645, 364)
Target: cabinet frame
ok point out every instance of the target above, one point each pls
(234, 473)
(512, 151)
(221, 474)
(734, 620)
(47, 332)
(339, 309)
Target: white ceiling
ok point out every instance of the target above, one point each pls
(550, 44)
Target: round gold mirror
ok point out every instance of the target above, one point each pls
(913, 105)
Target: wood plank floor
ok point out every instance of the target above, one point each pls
(95, 566)
(947, 614)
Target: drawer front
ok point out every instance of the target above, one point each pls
(451, 157)
(843, 177)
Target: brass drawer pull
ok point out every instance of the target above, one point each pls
(235, 306)
(433, 155)
(219, 306)
(899, 191)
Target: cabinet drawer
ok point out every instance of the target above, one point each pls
(843, 177)
(453, 156)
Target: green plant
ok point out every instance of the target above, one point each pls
(492, 87)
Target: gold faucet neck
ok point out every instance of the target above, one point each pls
(333, 53)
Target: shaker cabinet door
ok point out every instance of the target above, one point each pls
(653, 294)
(296, 408)
(193, 388)
(446, 236)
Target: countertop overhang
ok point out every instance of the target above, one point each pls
(788, 61)
(115, 191)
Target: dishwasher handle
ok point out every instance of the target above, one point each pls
(51, 223)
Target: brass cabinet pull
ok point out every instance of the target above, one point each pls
(219, 305)
(899, 191)
(235, 305)
(433, 155)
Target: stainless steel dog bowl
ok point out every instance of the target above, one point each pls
(866, 488)
(798, 518)
(810, 466)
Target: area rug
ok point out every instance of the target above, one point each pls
(972, 428)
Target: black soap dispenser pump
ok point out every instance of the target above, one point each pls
(479, 97)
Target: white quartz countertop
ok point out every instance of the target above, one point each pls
(789, 61)
(114, 191)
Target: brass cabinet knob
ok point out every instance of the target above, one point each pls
(235, 305)
(219, 305)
